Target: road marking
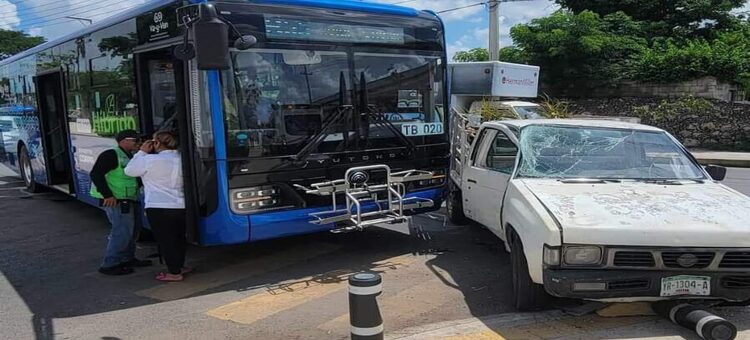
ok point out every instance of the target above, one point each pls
(286, 295)
(485, 335)
(417, 299)
(203, 280)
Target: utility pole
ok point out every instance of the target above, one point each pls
(494, 6)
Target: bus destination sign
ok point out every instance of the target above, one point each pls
(286, 28)
(157, 25)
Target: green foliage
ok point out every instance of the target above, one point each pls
(555, 107)
(725, 57)
(12, 42)
(666, 18)
(582, 48)
(474, 54)
(509, 54)
(669, 111)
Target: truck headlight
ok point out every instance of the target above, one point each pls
(582, 255)
(248, 200)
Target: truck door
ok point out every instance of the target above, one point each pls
(471, 191)
(491, 171)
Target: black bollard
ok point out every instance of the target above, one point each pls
(706, 324)
(364, 314)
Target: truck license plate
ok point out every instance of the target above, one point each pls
(686, 285)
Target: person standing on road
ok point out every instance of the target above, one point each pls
(118, 195)
(159, 165)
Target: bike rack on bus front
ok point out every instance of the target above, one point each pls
(368, 203)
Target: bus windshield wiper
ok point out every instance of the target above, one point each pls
(379, 119)
(312, 143)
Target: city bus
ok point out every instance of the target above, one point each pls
(295, 116)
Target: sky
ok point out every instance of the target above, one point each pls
(466, 28)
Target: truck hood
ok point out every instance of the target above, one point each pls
(641, 214)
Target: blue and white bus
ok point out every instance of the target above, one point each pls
(295, 116)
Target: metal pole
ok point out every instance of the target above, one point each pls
(494, 6)
(364, 314)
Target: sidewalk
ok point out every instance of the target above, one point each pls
(723, 158)
(556, 325)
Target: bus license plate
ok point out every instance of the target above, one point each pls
(686, 285)
(422, 129)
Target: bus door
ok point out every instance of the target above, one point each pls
(54, 127)
(164, 99)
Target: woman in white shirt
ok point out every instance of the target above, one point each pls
(159, 166)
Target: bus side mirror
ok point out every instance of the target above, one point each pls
(211, 38)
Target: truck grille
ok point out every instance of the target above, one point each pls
(628, 285)
(736, 281)
(702, 259)
(735, 260)
(634, 259)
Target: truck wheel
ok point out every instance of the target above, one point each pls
(528, 295)
(27, 172)
(455, 208)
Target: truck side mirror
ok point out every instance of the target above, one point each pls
(211, 37)
(718, 173)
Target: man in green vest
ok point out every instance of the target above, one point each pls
(118, 195)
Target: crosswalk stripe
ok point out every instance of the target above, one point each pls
(203, 280)
(287, 295)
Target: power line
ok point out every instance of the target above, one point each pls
(401, 2)
(41, 22)
(462, 7)
(39, 13)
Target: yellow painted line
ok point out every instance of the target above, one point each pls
(415, 300)
(569, 327)
(205, 278)
(484, 335)
(287, 295)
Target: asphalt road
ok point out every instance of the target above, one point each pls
(284, 289)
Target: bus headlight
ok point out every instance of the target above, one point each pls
(582, 255)
(248, 200)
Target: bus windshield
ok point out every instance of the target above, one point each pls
(276, 100)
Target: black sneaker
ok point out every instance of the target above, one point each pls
(138, 263)
(116, 270)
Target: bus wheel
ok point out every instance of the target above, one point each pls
(27, 172)
(455, 207)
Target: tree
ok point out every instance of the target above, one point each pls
(12, 42)
(582, 49)
(666, 17)
(509, 54)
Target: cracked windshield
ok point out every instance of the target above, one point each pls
(575, 152)
(278, 101)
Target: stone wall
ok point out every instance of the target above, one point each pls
(722, 126)
(706, 87)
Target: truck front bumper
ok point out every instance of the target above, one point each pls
(638, 284)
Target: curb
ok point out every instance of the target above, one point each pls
(734, 163)
(460, 327)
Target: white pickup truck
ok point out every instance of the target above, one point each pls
(603, 210)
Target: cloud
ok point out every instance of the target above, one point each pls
(442, 5)
(462, 44)
(41, 17)
(8, 15)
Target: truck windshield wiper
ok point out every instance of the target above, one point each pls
(315, 140)
(670, 181)
(589, 180)
(379, 119)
